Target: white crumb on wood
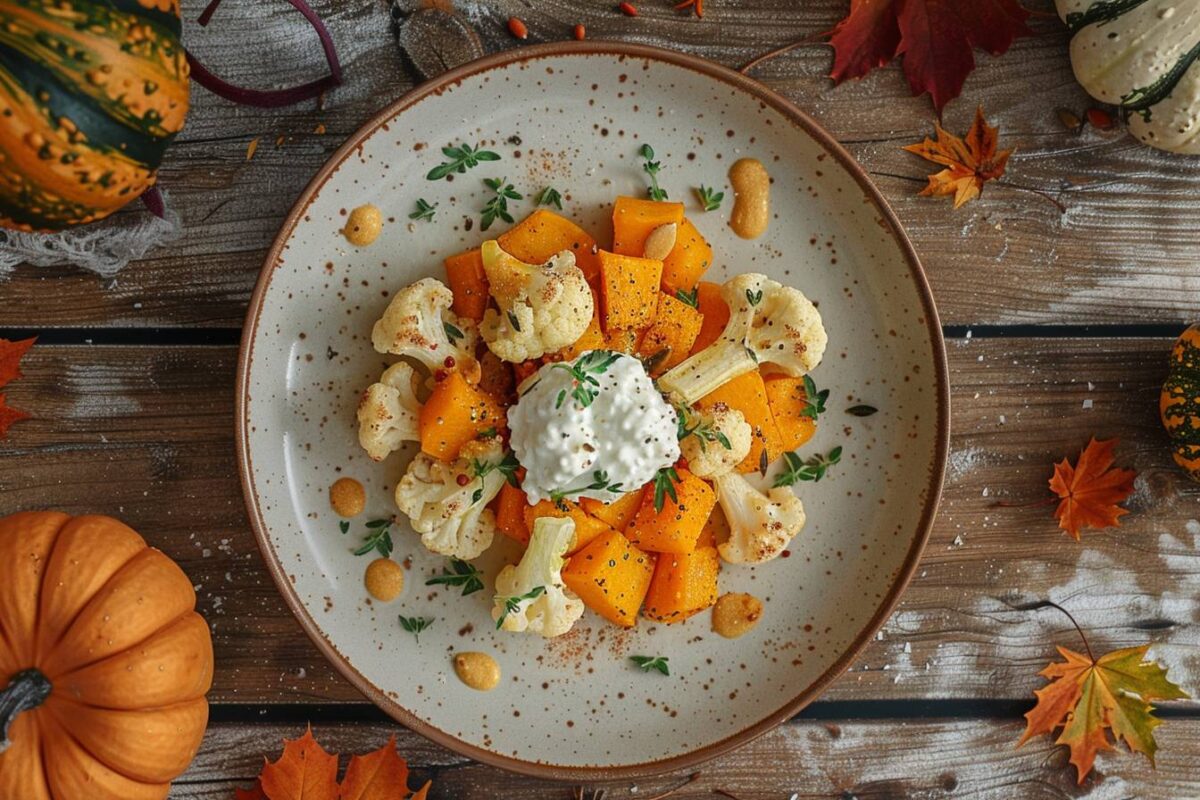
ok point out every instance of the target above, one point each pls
(963, 462)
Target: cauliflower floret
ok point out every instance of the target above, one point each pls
(760, 525)
(543, 308)
(453, 519)
(389, 412)
(418, 323)
(769, 323)
(714, 442)
(531, 596)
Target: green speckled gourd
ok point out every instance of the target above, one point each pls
(91, 94)
(1179, 401)
(1144, 56)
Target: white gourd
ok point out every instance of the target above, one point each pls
(1144, 56)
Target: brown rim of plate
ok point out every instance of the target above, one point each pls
(246, 355)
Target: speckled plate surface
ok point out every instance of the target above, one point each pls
(573, 116)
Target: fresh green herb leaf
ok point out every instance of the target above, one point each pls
(424, 211)
(516, 323)
(796, 469)
(651, 362)
(379, 538)
(461, 573)
(344, 526)
(709, 199)
(652, 167)
(584, 370)
(453, 332)
(486, 433)
(415, 625)
(498, 205)
(699, 427)
(647, 663)
(814, 401)
(512, 605)
(507, 467)
(549, 197)
(764, 462)
(692, 298)
(754, 298)
(600, 483)
(664, 487)
(461, 158)
(862, 411)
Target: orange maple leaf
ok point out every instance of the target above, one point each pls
(9, 415)
(968, 164)
(1088, 697)
(10, 358)
(1090, 491)
(306, 772)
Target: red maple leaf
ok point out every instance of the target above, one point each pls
(10, 358)
(1091, 489)
(936, 38)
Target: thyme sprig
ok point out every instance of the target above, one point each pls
(664, 487)
(692, 298)
(586, 387)
(498, 205)
(415, 625)
(462, 158)
(424, 210)
(709, 199)
(600, 483)
(379, 538)
(652, 167)
(512, 605)
(656, 663)
(549, 197)
(703, 429)
(797, 469)
(814, 401)
(460, 573)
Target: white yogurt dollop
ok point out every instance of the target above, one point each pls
(624, 435)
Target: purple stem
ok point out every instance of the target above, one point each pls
(271, 98)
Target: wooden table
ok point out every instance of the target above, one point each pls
(1057, 326)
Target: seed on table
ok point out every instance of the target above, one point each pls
(628, 9)
(580, 33)
(518, 28)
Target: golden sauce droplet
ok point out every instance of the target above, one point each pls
(477, 670)
(751, 198)
(736, 614)
(363, 225)
(347, 497)
(384, 579)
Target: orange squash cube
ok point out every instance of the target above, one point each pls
(676, 326)
(628, 290)
(611, 577)
(684, 584)
(634, 219)
(618, 513)
(714, 314)
(688, 260)
(544, 234)
(787, 399)
(509, 508)
(455, 413)
(677, 527)
(587, 527)
(748, 394)
(468, 284)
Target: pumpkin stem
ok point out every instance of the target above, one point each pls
(25, 691)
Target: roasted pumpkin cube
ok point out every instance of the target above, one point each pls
(618, 513)
(628, 291)
(544, 234)
(676, 326)
(677, 526)
(634, 219)
(688, 260)
(714, 312)
(748, 394)
(611, 577)
(684, 584)
(468, 284)
(587, 527)
(455, 413)
(788, 400)
(509, 508)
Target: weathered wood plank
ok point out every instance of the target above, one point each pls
(1123, 252)
(146, 433)
(867, 760)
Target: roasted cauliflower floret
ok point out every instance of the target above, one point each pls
(543, 308)
(418, 323)
(714, 442)
(760, 525)
(531, 596)
(389, 412)
(452, 518)
(769, 323)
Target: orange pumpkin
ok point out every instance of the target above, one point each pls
(103, 659)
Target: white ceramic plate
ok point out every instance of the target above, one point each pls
(573, 116)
